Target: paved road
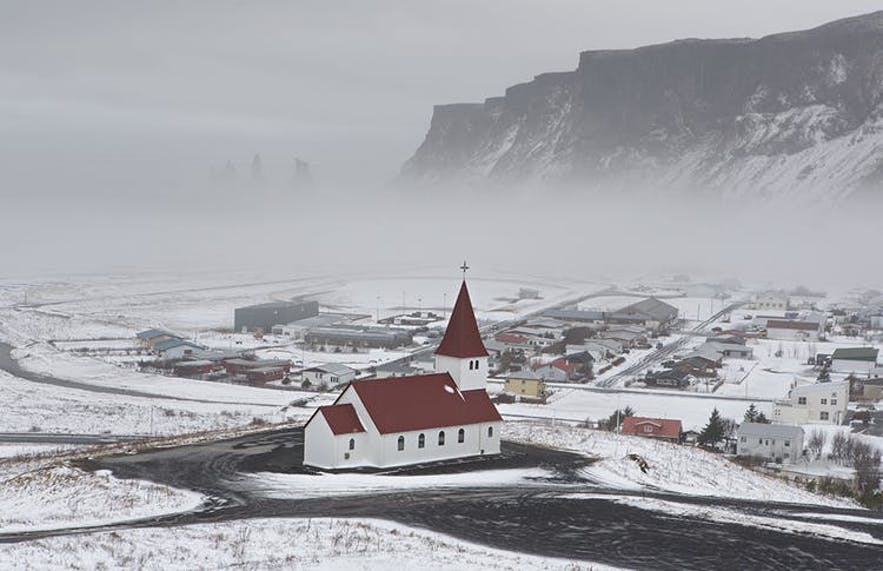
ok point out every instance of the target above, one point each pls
(65, 438)
(535, 518)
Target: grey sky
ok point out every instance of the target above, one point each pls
(103, 97)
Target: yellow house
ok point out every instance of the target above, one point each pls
(525, 384)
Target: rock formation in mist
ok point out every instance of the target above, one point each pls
(795, 113)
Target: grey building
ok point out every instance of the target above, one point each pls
(266, 315)
(359, 337)
(779, 443)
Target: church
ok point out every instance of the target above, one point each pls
(398, 421)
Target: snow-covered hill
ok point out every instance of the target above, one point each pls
(790, 114)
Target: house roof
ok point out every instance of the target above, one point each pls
(769, 430)
(402, 404)
(790, 324)
(856, 354)
(651, 307)
(342, 418)
(153, 334)
(525, 374)
(172, 343)
(332, 369)
(665, 426)
(462, 339)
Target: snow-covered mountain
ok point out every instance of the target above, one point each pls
(795, 113)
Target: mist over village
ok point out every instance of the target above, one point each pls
(485, 285)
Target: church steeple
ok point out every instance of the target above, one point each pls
(462, 352)
(462, 338)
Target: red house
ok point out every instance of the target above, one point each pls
(663, 428)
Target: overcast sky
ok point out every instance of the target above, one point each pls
(113, 96)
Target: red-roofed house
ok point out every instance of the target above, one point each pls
(398, 421)
(663, 428)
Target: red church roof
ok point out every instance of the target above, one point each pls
(423, 402)
(462, 338)
(342, 418)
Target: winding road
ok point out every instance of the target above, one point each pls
(566, 514)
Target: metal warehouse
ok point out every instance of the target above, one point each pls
(265, 315)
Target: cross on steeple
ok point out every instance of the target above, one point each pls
(464, 267)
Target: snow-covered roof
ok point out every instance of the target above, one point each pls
(769, 430)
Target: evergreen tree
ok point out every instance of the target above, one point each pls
(751, 413)
(714, 431)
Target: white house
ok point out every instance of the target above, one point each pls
(793, 330)
(398, 421)
(854, 360)
(775, 442)
(821, 403)
(329, 374)
(771, 300)
(176, 348)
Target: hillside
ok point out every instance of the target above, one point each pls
(795, 113)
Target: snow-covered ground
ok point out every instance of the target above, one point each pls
(295, 486)
(305, 544)
(674, 468)
(29, 406)
(56, 496)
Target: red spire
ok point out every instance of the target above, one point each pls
(462, 338)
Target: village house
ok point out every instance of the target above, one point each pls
(399, 421)
(770, 300)
(731, 350)
(148, 339)
(792, 330)
(661, 428)
(823, 403)
(329, 374)
(778, 443)
(525, 384)
(395, 369)
(668, 378)
(862, 389)
(858, 360)
(650, 312)
(172, 349)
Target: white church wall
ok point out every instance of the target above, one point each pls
(319, 443)
(476, 442)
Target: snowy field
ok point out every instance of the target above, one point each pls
(270, 544)
(673, 468)
(57, 496)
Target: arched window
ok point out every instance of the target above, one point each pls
(352, 443)
(461, 436)
(476, 364)
(401, 443)
(470, 364)
(441, 438)
(490, 431)
(421, 441)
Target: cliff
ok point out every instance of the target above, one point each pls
(799, 112)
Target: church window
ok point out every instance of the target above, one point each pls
(441, 438)
(421, 441)
(490, 431)
(461, 436)
(401, 443)
(352, 443)
(470, 364)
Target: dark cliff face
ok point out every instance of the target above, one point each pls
(797, 112)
